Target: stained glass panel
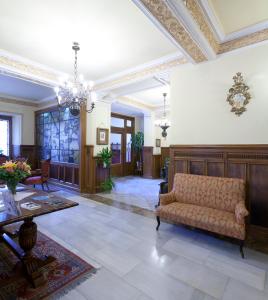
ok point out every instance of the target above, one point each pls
(58, 136)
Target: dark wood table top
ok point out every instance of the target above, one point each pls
(14, 212)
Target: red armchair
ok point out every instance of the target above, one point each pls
(40, 179)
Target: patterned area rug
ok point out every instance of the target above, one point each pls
(65, 273)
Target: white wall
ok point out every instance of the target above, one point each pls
(23, 122)
(199, 111)
(100, 117)
(139, 124)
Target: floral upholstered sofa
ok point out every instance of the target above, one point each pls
(214, 204)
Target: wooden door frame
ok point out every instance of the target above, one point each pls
(127, 168)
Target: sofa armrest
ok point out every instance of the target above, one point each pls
(168, 198)
(240, 212)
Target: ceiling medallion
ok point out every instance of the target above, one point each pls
(164, 124)
(74, 94)
(238, 96)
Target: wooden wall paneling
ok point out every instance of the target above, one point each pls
(147, 162)
(29, 152)
(249, 162)
(156, 166)
(197, 167)
(164, 154)
(215, 168)
(83, 158)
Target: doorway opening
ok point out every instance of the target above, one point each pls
(122, 129)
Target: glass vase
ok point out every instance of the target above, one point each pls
(12, 187)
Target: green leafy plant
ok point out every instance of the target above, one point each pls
(105, 155)
(107, 185)
(137, 143)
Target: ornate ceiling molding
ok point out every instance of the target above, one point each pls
(163, 17)
(22, 68)
(207, 22)
(248, 40)
(135, 103)
(200, 19)
(140, 74)
(18, 101)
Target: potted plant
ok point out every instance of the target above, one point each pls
(13, 172)
(105, 155)
(137, 143)
(107, 185)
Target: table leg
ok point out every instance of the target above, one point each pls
(30, 264)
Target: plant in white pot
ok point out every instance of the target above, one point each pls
(105, 156)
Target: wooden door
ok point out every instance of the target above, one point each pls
(121, 146)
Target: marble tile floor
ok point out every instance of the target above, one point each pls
(135, 190)
(137, 263)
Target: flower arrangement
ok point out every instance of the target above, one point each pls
(13, 172)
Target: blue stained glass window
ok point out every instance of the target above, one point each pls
(58, 136)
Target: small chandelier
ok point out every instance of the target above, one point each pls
(75, 94)
(164, 124)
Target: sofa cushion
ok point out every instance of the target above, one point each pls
(210, 219)
(214, 192)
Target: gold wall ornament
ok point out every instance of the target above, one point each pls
(238, 96)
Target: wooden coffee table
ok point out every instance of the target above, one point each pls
(27, 233)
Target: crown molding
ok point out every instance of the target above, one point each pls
(140, 72)
(17, 101)
(241, 38)
(192, 18)
(20, 67)
(134, 103)
(161, 14)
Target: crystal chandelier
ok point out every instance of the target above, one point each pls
(74, 94)
(164, 124)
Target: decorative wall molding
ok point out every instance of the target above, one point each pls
(163, 17)
(135, 103)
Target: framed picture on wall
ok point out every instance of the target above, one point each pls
(157, 143)
(102, 136)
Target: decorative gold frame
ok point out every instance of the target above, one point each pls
(238, 96)
(157, 142)
(102, 136)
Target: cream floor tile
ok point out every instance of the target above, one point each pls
(187, 249)
(157, 284)
(105, 285)
(198, 276)
(118, 261)
(239, 270)
(236, 290)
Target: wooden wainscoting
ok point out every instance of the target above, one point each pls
(29, 152)
(95, 174)
(151, 163)
(66, 174)
(164, 154)
(249, 162)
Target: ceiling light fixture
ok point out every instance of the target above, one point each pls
(74, 94)
(164, 124)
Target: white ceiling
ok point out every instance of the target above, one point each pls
(114, 34)
(127, 110)
(24, 90)
(236, 15)
(152, 96)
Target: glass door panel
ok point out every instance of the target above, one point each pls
(116, 147)
(128, 148)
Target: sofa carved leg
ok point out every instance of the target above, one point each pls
(158, 222)
(241, 249)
